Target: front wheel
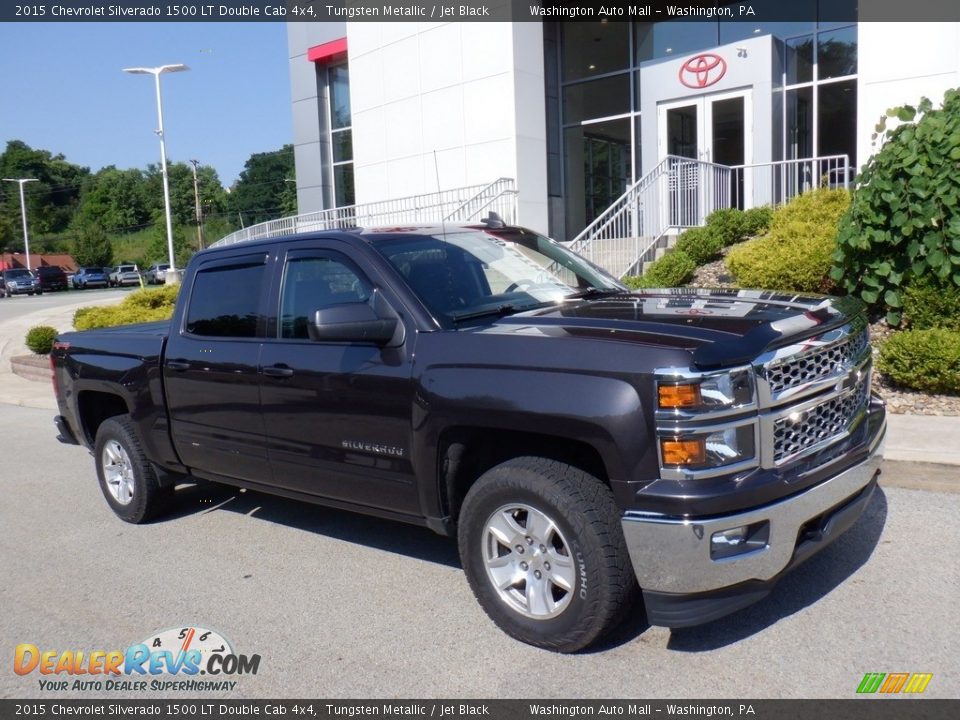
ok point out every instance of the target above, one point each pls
(543, 551)
(127, 479)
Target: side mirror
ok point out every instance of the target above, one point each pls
(372, 322)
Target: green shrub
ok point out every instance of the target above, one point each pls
(700, 244)
(796, 252)
(904, 222)
(756, 220)
(772, 265)
(929, 303)
(672, 270)
(40, 339)
(927, 360)
(137, 307)
(727, 225)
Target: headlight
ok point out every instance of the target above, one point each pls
(707, 392)
(706, 449)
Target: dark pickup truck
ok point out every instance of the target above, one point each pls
(583, 442)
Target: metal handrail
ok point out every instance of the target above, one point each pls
(778, 181)
(496, 183)
(435, 207)
(681, 192)
(678, 192)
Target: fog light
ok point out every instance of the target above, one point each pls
(739, 540)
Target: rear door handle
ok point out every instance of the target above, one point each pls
(277, 371)
(178, 365)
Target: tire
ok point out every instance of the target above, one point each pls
(127, 479)
(538, 519)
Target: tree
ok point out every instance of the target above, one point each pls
(91, 246)
(158, 251)
(262, 192)
(51, 201)
(115, 199)
(213, 197)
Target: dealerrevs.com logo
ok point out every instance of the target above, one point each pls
(169, 660)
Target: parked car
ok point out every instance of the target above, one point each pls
(157, 273)
(583, 443)
(19, 281)
(87, 277)
(124, 275)
(51, 277)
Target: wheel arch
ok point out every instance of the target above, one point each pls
(466, 453)
(96, 406)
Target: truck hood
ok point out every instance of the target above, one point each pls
(721, 327)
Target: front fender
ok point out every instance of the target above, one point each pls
(605, 412)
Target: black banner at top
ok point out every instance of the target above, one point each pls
(758, 11)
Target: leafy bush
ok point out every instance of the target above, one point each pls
(904, 222)
(756, 220)
(40, 339)
(672, 270)
(727, 224)
(137, 307)
(700, 244)
(796, 252)
(927, 360)
(930, 303)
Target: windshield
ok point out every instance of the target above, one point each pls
(470, 273)
(17, 274)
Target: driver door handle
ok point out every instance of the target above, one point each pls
(277, 371)
(178, 365)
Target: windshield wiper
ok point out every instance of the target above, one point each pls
(498, 311)
(594, 292)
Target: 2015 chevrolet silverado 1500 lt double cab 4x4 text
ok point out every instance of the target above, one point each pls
(582, 442)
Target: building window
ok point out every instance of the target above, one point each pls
(341, 134)
(596, 102)
(821, 94)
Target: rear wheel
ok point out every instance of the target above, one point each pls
(127, 479)
(543, 551)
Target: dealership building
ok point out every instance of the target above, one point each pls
(575, 113)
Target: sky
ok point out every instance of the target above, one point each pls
(62, 90)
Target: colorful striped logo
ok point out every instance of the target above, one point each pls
(892, 683)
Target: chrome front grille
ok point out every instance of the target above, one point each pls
(815, 363)
(804, 430)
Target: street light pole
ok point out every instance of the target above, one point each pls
(23, 213)
(196, 204)
(172, 275)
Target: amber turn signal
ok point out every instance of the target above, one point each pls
(683, 452)
(678, 396)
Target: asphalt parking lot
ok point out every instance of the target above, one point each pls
(339, 605)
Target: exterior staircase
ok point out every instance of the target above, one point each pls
(642, 225)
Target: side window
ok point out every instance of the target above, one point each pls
(225, 300)
(313, 283)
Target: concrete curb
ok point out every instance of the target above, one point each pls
(31, 367)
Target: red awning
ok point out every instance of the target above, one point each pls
(327, 51)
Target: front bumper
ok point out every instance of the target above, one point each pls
(24, 289)
(683, 585)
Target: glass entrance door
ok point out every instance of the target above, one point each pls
(712, 129)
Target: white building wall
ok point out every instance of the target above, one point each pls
(899, 63)
(471, 92)
(311, 134)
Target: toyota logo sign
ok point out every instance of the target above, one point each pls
(702, 71)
